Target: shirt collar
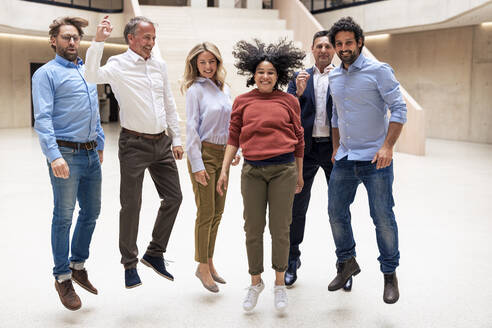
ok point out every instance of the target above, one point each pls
(62, 61)
(202, 79)
(317, 71)
(136, 57)
(358, 62)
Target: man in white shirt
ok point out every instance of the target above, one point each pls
(311, 87)
(149, 139)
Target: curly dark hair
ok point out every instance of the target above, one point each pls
(283, 55)
(347, 24)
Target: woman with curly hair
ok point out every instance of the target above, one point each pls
(208, 109)
(265, 123)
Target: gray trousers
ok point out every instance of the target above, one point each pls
(137, 154)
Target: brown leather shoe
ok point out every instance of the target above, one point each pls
(391, 293)
(81, 278)
(67, 294)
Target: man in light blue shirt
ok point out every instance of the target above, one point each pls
(363, 90)
(67, 118)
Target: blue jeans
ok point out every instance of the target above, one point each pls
(84, 185)
(345, 177)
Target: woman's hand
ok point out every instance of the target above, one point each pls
(223, 181)
(299, 184)
(201, 177)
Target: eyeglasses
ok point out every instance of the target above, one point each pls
(68, 37)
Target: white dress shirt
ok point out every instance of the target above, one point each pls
(321, 83)
(208, 112)
(141, 88)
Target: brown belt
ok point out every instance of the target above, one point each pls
(76, 145)
(212, 145)
(145, 135)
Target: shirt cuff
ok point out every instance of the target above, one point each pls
(53, 154)
(397, 119)
(177, 142)
(196, 165)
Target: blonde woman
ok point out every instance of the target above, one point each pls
(208, 111)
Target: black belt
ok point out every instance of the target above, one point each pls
(145, 135)
(321, 139)
(78, 145)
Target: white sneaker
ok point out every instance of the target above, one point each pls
(252, 296)
(280, 298)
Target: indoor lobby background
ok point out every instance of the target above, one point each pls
(441, 52)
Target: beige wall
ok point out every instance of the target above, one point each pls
(449, 73)
(16, 54)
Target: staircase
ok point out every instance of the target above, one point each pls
(181, 28)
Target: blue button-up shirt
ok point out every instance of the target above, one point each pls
(362, 96)
(65, 106)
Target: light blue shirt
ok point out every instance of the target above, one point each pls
(361, 98)
(208, 112)
(65, 106)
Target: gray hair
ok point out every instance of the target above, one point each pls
(131, 26)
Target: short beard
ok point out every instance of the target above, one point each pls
(68, 56)
(350, 60)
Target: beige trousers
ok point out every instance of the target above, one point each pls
(273, 185)
(209, 204)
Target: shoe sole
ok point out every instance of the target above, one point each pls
(133, 286)
(150, 266)
(81, 285)
(345, 282)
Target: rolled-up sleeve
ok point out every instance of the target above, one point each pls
(389, 88)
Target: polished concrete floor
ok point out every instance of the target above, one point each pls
(443, 208)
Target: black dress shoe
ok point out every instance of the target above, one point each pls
(291, 273)
(345, 270)
(391, 293)
(348, 286)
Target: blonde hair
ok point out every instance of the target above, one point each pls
(191, 69)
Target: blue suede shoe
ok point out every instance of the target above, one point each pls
(131, 278)
(157, 263)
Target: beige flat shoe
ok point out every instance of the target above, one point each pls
(212, 288)
(218, 279)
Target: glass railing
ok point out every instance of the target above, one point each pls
(104, 6)
(320, 6)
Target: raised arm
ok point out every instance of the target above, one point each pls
(94, 73)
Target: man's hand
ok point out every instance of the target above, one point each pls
(178, 152)
(103, 30)
(383, 157)
(201, 177)
(60, 168)
(236, 160)
(333, 154)
(101, 156)
(301, 82)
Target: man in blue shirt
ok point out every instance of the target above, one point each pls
(67, 121)
(363, 90)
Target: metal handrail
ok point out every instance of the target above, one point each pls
(90, 7)
(330, 5)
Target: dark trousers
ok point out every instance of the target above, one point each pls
(319, 156)
(137, 154)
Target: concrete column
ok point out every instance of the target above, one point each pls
(254, 4)
(226, 3)
(198, 3)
